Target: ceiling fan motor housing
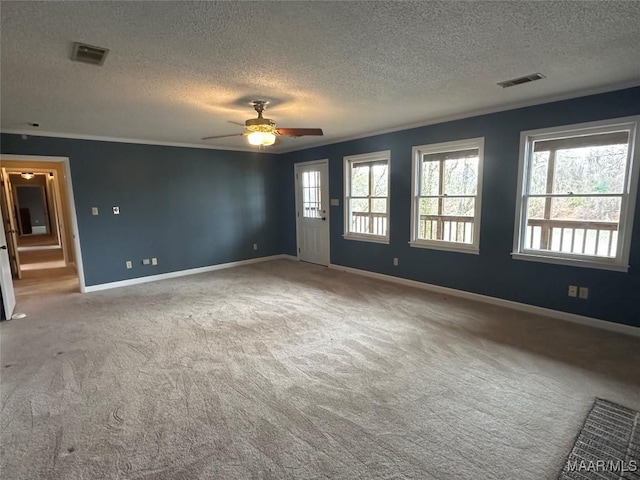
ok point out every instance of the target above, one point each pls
(260, 124)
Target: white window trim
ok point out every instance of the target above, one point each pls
(417, 153)
(384, 155)
(627, 207)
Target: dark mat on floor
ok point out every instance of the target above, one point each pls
(608, 446)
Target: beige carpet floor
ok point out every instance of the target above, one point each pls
(283, 370)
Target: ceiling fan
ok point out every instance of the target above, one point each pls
(262, 131)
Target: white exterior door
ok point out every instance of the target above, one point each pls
(312, 211)
(6, 281)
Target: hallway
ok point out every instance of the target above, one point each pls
(37, 240)
(44, 274)
(45, 282)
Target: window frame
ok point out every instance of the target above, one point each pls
(349, 160)
(444, 147)
(628, 198)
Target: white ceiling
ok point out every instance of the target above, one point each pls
(179, 71)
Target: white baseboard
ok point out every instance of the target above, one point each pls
(180, 273)
(523, 307)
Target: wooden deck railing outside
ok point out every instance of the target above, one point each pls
(568, 236)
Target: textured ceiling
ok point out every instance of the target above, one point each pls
(179, 71)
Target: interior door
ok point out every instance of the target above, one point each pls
(312, 211)
(10, 225)
(6, 280)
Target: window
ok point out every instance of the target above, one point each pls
(577, 194)
(447, 187)
(367, 197)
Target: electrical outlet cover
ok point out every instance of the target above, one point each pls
(583, 293)
(573, 291)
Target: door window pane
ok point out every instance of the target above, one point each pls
(311, 194)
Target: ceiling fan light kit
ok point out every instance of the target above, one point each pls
(262, 138)
(262, 131)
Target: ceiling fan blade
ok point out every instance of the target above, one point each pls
(236, 123)
(223, 136)
(299, 132)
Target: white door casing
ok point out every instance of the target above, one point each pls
(57, 200)
(312, 211)
(6, 280)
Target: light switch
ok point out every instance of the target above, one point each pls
(94, 210)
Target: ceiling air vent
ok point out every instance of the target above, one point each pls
(521, 80)
(89, 53)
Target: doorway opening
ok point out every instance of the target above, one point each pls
(39, 226)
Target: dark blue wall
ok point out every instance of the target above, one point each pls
(188, 207)
(613, 295)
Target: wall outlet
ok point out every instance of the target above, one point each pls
(573, 291)
(116, 210)
(146, 261)
(255, 246)
(94, 210)
(395, 262)
(583, 293)
(129, 264)
(154, 261)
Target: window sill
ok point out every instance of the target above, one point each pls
(447, 247)
(366, 238)
(570, 262)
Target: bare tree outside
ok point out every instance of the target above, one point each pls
(448, 188)
(369, 197)
(575, 191)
